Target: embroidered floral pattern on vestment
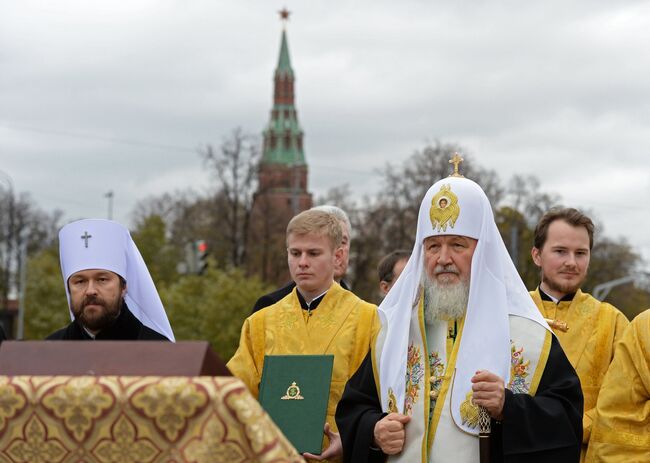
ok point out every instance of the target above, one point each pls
(414, 374)
(518, 370)
(437, 370)
(518, 384)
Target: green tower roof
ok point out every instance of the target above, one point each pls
(283, 137)
(284, 61)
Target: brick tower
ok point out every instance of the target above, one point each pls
(282, 182)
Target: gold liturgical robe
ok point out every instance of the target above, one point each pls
(621, 431)
(342, 325)
(593, 329)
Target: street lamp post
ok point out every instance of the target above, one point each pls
(110, 195)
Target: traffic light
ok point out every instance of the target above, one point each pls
(201, 253)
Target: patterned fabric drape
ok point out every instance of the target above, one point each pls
(122, 419)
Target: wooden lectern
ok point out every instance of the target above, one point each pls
(106, 358)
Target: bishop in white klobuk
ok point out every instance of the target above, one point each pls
(110, 291)
(459, 331)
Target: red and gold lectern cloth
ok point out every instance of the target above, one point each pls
(126, 419)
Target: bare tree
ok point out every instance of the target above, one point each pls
(525, 196)
(24, 229)
(403, 188)
(235, 166)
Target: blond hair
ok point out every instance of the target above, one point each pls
(317, 223)
(336, 212)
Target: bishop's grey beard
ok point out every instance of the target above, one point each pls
(444, 301)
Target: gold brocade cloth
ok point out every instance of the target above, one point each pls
(125, 419)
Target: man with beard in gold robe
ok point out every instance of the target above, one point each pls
(621, 430)
(586, 328)
(318, 316)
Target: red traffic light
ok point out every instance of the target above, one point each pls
(201, 246)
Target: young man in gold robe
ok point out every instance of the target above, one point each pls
(621, 430)
(317, 317)
(587, 328)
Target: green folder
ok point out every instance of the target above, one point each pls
(294, 391)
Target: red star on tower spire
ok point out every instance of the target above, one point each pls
(284, 14)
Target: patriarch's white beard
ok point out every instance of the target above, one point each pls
(444, 301)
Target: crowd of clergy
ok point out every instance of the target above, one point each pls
(459, 362)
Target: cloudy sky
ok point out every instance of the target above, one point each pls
(98, 96)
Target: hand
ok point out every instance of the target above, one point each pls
(489, 392)
(389, 433)
(333, 450)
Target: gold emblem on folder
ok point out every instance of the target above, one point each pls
(444, 209)
(293, 393)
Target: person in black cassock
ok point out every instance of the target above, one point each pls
(462, 349)
(110, 291)
(339, 271)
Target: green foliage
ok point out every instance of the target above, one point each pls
(611, 260)
(46, 305)
(629, 299)
(513, 227)
(212, 307)
(161, 257)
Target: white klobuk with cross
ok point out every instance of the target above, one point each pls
(107, 245)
